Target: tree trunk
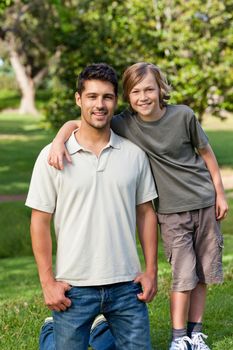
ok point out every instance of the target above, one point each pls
(27, 103)
(26, 85)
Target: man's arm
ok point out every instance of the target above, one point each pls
(58, 150)
(147, 231)
(211, 162)
(54, 292)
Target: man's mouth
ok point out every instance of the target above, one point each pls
(99, 113)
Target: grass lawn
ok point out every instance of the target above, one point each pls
(21, 139)
(22, 311)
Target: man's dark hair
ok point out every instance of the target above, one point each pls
(97, 71)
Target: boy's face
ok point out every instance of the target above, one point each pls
(144, 98)
(97, 102)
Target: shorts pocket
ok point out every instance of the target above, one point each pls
(166, 236)
(219, 238)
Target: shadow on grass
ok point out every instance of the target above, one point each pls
(15, 124)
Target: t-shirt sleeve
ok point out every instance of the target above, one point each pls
(145, 186)
(119, 125)
(42, 192)
(198, 137)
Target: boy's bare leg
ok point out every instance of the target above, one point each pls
(180, 308)
(197, 303)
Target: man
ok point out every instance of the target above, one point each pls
(96, 203)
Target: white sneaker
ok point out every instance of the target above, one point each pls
(198, 341)
(99, 319)
(181, 343)
(48, 319)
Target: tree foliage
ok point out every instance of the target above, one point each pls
(190, 40)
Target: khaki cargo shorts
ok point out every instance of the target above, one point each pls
(193, 245)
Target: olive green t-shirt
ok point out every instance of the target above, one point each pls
(182, 178)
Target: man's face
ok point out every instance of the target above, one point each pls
(144, 97)
(97, 103)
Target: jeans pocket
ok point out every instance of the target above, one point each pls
(137, 287)
(74, 292)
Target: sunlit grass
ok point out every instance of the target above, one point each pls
(21, 139)
(22, 311)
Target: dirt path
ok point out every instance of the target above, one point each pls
(12, 197)
(227, 178)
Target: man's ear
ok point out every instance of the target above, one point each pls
(78, 99)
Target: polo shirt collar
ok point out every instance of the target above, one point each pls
(114, 141)
(73, 146)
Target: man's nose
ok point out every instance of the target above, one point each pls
(100, 102)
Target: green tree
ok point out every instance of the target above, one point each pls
(197, 40)
(28, 34)
(117, 32)
(190, 40)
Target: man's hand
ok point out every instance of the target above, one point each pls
(54, 295)
(149, 286)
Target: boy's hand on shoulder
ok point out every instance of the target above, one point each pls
(57, 154)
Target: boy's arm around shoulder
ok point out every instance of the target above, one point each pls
(147, 232)
(211, 162)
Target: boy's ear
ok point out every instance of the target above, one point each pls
(78, 99)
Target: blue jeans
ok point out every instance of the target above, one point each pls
(101, 337)
(127, 318)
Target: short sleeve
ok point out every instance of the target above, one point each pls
(42, 192)
(198, 137)
(145, 186)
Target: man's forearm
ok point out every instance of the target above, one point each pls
(54, 291)
(147, 231)
(42, 245)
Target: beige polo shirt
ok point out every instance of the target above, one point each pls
(94, 204)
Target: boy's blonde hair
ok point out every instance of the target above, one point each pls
(135, 74)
